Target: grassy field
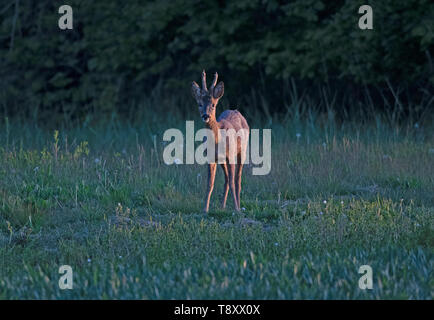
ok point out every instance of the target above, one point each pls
(100, 199)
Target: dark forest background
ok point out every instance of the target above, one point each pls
(122, 52)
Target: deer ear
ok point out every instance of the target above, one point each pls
(218, 90)
(195, 90)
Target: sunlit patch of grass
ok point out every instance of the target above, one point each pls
(21, 212)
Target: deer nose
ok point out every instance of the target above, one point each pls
(205, 117)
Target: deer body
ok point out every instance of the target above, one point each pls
(229, 119)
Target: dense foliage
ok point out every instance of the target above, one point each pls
(119, 51)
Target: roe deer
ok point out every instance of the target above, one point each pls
(234, 156)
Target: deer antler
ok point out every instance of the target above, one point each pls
(204, 81)
(214, 82)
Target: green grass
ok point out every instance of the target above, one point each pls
(100, 199)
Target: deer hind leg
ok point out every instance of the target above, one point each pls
(226, 188)
(211, 177)
(239, 173)
(232, 184)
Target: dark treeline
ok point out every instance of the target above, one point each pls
(121, 52)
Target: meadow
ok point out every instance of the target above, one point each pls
(98, 197)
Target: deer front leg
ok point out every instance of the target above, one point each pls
(232, 185)
(238, 181)
(226, 188)
(211, 177)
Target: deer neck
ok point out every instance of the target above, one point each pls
(214, 126)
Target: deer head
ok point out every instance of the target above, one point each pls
(207, 99)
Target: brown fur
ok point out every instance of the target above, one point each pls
(229, 119)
